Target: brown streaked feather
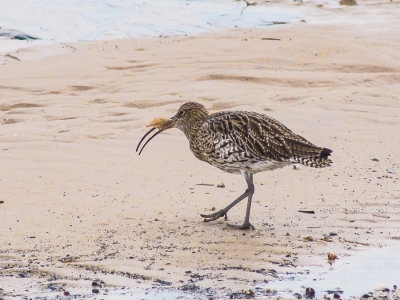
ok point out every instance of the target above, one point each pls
(258, 135)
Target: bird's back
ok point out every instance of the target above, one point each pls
(240, 141)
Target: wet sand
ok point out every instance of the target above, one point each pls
(81, 207)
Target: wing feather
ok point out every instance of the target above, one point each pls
(256, 135)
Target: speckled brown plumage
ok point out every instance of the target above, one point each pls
(242, 142)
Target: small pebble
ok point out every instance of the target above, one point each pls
(66, 293)
(310, 293)
(336, 296)
(332, 256)
(95, 291)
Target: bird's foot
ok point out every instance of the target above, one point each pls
(212, 217)
(244, 226)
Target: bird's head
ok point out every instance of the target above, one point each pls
(189, 118)
(189, 115)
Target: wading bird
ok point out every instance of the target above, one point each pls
(240, 142)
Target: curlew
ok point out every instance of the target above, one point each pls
(240, 142)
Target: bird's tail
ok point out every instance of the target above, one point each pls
(320, 160)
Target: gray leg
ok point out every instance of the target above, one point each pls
(223, 212)
(250, 190)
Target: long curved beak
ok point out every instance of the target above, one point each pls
(160, 129)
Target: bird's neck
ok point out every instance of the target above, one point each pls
(192, 128)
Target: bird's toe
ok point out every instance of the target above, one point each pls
(215, 216)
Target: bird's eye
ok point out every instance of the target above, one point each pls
(181, 113)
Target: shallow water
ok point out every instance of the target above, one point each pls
(77, 20)
(351, 276)
(355, 275)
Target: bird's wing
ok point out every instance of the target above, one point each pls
(257, 135)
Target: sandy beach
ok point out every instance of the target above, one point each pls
(79, 206)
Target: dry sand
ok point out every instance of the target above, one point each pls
(80, 205)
